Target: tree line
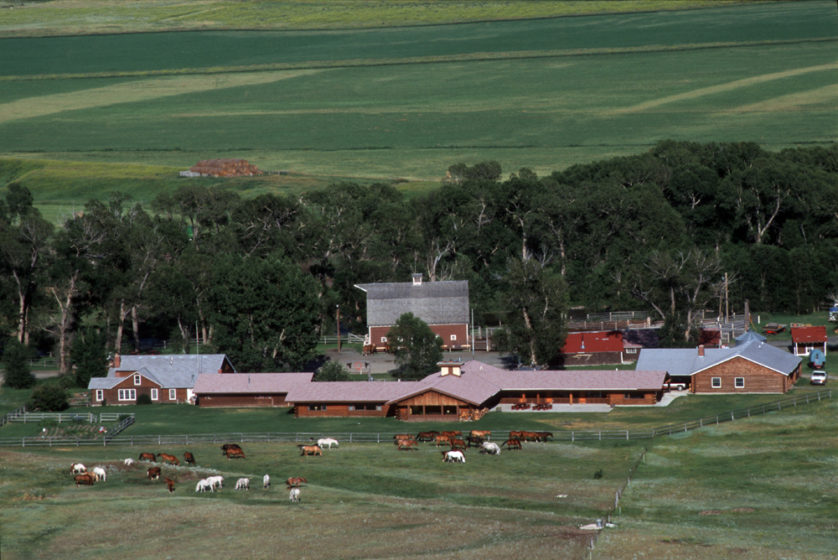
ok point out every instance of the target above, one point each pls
(259, 278)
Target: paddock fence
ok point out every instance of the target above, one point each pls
(115, 438)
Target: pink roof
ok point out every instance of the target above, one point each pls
(262, 383)
(808, 334)
(350, 391)
(598, 341)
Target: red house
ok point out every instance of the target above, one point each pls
(598, 347)
(806, 339)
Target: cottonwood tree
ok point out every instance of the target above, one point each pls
(416, 347)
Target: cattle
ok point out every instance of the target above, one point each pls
(454, 456)
(307, 450)
(227, 446)
(189, 458)
(99, 474)
(166, 458)
(147, 457)
(490, 447)
(84, 479)
(407, 444)
(427, 436)
(129, 462)
(153, 473)
(294, 495)
(77, 468)
(295, 481)
(170, 485)
(266, 481)
(512, 443)
(204, 486)
(216, 481)
(328, 442)
(235, 453)
(243, 484)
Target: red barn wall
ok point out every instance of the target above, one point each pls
(758, 379)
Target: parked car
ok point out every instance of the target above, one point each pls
(818, 377)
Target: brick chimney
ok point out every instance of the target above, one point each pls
(116, 360)
(701, 350)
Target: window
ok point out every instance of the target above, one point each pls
(172, 394)
(317, 407)
(716, 382)
(127, 394)
(631, 350)
(138, 380)
(453, 338)
(100, 395)
(739, 382)
(153, 394)
(383, 340)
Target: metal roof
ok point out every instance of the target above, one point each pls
(170, 371)
(249, 383)
(436, 303)
(687, 361)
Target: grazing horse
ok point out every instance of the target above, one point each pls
(227, 446)
(294, 495)
(216, 481)
(147, 457)
(457, 443)
(129, 462)
(166, 458)
(99, 474)
(153, 473)
(484, 434)
(243, 484)
(512, 443)
(452, 433)
(204, 486)
(544, 436)
(328, 442)
(295, 481)
(427, 436)
(442, 439)
(476, 441)
(86, 479)
(235, 453)
(266, 481)
(408, 444)
(189, 458)
(490, 447)
(77, 468)
(454, 456)
(310, 450)
(170, 484)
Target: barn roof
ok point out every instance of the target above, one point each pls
(249, 383)
(170, 371)
(688, 361)
(593, 341)
(808, 334)
(349, 391)
(436, 303)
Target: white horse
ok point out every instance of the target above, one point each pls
(490, 447)
(294, 495)
(129, 462)
(453, 457)
(243, 484)
(266, 481)
(99, 474)
(216, 482)
(328, 442)
(78, 468)
(203, 486)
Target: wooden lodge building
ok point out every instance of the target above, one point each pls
(247, 390)
(442, 305)
(458, 390)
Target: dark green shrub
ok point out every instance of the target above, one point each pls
(49, 397)
(16, 358)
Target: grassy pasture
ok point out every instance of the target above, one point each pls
(405, 103)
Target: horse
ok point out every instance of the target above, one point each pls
(266, 481)
(166, 458)
(128, 462)
(295, 481)
(512, 443)
(147, 457)
(476, 441)
(153, 473)
(310, 450)
(427, 436)
(227, 446)
(454, 456)
(328, 442)
(85, 478)
(189, 458)
(484, 434)
(243, 484)
(170, 485)
(408, 444)
(235, 453)
(457, 443)
(99, 474)
(544, 436)
(452, 433)
(442, 439)
(77, 468)
(204, 486)
(490, 447)
(216, 481)
(294, 495)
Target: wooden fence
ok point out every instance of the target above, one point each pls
(387, 437)
(20, 415)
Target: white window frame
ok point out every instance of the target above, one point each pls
(127, 394)
(631, 350)
(138, 379)
(716, 382)
(739, 382)
(384, 340)
(453, 338)
(100, 395)
(172, 394)
(154, 394)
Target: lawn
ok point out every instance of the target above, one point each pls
(403, 104)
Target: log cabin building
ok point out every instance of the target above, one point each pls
(247, 390)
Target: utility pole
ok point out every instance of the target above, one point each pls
(338, 322)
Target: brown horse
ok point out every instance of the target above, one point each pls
(442, 439)
(407, 444)
(295, 481)
(310, 450)
(189, 458)
(147, 457)
(512, 443)
(457, 443)
(227, 446)
(484, 434)
(170, 484)
(166, 458)
(235, 453)
(427, 436)
(86, 479)
(153, 473)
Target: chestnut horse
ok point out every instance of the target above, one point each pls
(310, 450)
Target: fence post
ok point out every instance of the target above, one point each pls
(627, 435)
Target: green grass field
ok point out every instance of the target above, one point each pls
(93, 114)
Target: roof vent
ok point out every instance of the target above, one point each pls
(417, 278)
